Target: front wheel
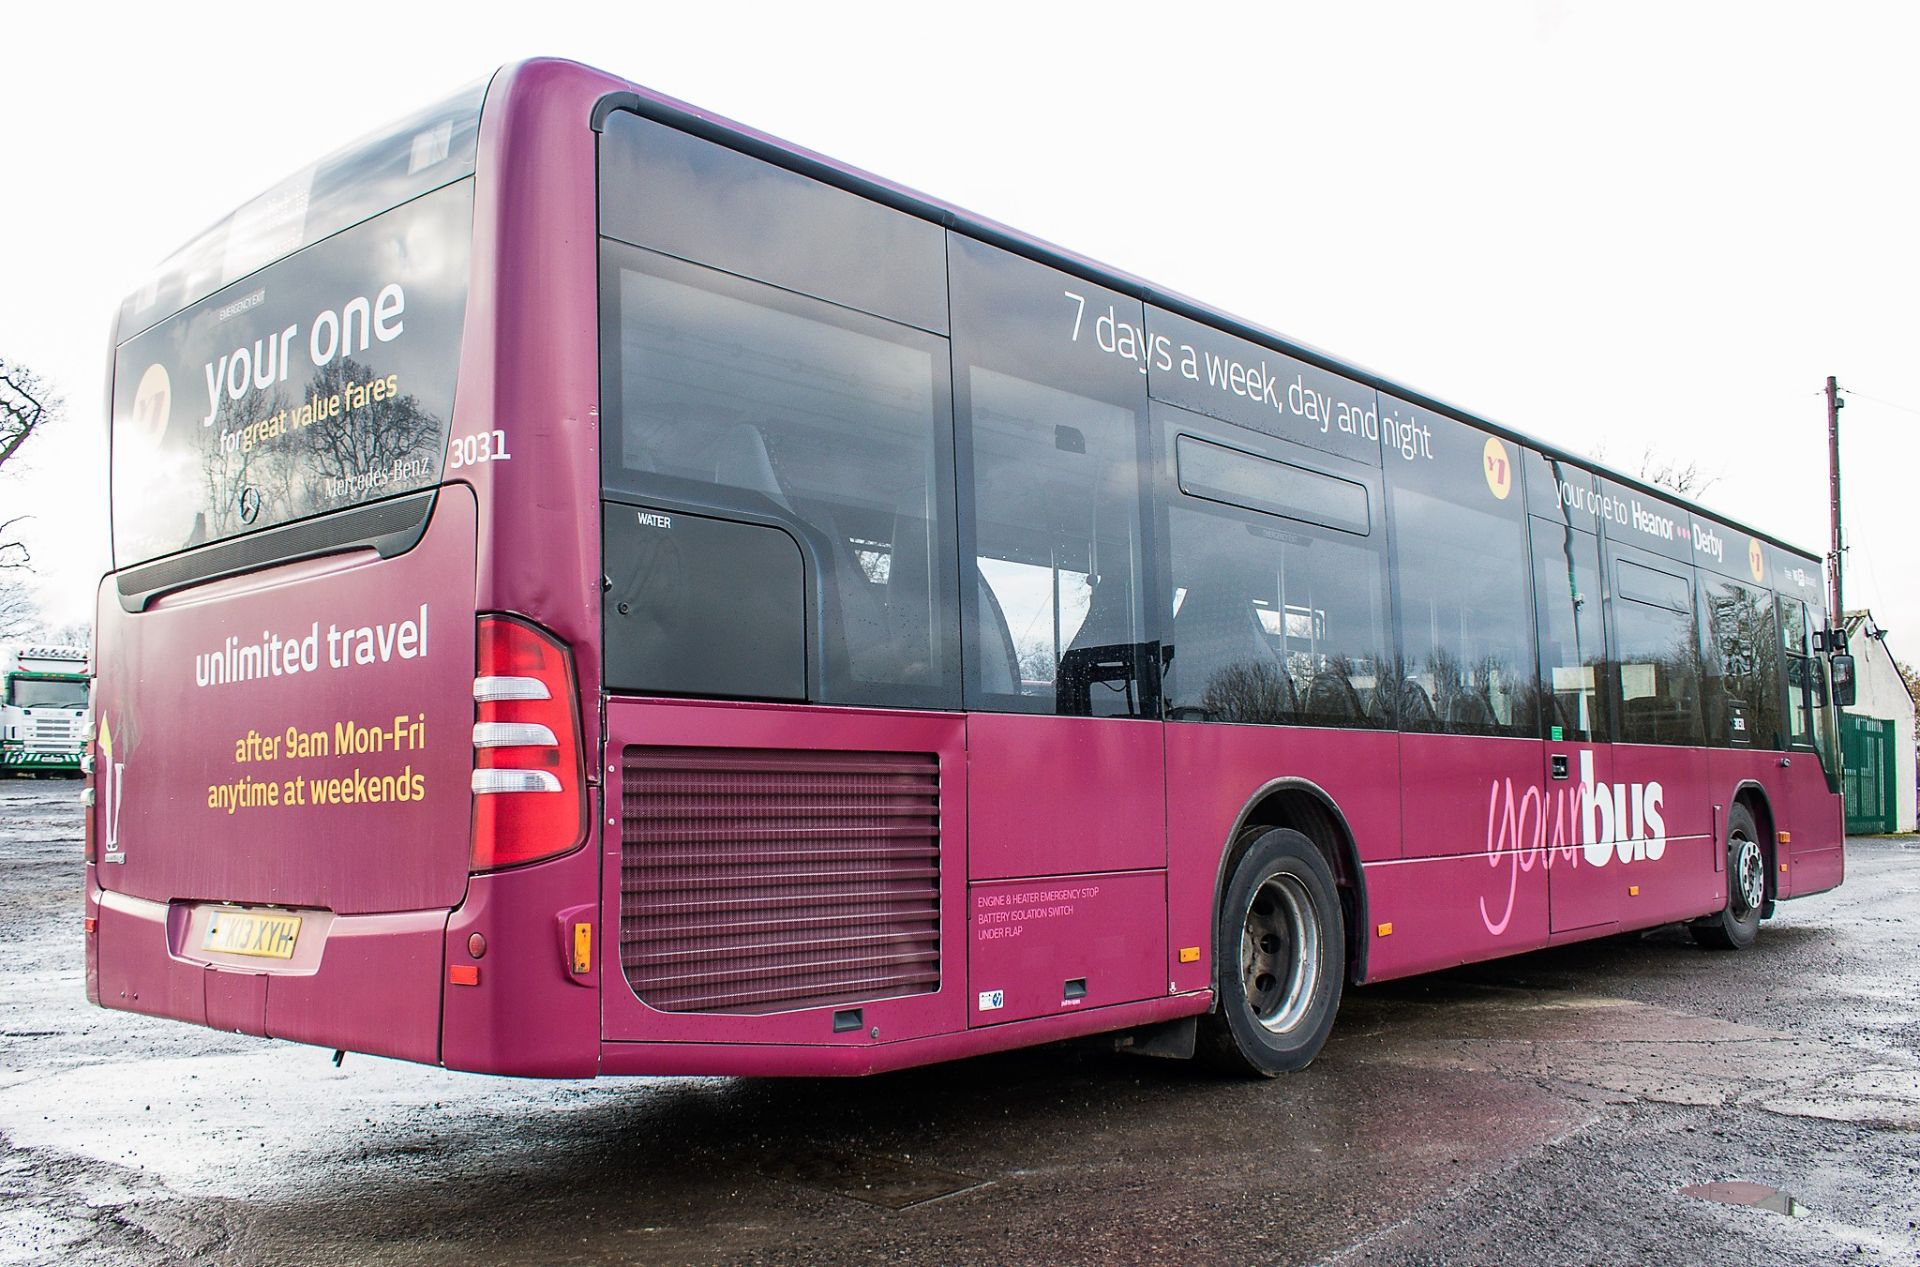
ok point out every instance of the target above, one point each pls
(1280, 958)
(1736, 925)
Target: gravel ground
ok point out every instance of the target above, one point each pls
(1540, 1110)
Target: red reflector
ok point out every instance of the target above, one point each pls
(93, 925)
(463, 974)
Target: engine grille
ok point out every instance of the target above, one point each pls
(762, 881)
(54, 734)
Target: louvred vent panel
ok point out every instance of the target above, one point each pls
(763, 881)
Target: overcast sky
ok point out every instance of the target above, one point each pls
(1614, 226)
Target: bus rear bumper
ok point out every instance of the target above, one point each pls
(375, 986)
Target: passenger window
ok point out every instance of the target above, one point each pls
(1658, 655)
(1057, 544)
(1276, 618)
(1571, 605)
(773, 408)
(1742, 691)
(1460, 549)
(1051, 434)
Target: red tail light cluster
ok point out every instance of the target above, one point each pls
(530, 793)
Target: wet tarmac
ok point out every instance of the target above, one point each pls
(1633, 1100)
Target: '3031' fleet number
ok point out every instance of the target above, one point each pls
(486, 446)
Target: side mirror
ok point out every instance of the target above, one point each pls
(1830, 640)
(1842, 678)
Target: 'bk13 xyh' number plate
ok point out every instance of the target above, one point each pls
(251, 933)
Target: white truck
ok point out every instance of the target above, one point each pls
(43, 709)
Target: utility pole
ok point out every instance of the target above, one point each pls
(1838, 615)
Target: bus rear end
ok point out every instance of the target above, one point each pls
(325, 744)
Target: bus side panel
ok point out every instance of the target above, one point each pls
(1429, 913)
(1214, 772)
(1664, 794)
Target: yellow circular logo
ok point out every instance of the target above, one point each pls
(152, 405)
(1756, 561)
(1499, 468)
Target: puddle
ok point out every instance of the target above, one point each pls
(889, 1182)
(1740, 1192)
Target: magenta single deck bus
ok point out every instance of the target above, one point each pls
(600, 590)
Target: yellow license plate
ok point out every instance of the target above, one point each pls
(251, 933)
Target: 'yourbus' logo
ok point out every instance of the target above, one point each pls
(1589, 822)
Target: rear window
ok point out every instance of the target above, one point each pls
(424, 151)
(317, 383)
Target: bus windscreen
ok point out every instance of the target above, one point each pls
(38, 692)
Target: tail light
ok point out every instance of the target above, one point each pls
(87, 798)
(530, 794)
(90, 752)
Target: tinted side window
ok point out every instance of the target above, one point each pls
(664, 189)
(1656, 647)
(1742, 690)
(1275, 617)
(1570, 601)
(1052, 450)
(1466, 622)
(765, 406)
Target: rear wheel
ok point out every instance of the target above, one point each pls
(1280, 958)
(1736, 925)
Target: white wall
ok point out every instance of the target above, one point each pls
(1881, 693)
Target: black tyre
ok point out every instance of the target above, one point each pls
(1280, 958)
(1736, 925)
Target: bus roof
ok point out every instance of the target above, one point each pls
(187, 276)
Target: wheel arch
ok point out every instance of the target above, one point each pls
(1305, 807)
(1750, 793)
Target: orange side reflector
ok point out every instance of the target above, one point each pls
(1783, 868)
(582, 949)
(463, 974)
(1386, 930)
(1633, 890)
(1189, 954)
(1786, 837)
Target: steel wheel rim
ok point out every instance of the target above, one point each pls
(1750, 874)
(1279, 953)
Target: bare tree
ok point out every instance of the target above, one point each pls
(18, 614)
(27, 403)
(1689, 478)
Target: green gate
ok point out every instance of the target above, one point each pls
(1866, 746)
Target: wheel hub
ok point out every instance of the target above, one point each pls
(1749, 874)
(1280, 953)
